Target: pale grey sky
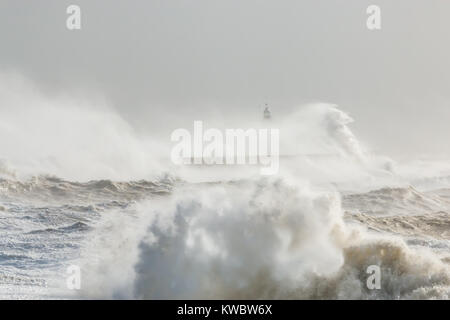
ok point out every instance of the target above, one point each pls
(158, 59)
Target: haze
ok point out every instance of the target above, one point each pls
(162, 64)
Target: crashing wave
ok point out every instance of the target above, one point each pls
(253, 240)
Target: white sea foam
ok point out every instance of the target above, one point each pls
(261, 239)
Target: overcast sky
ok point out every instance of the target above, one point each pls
(157, 59)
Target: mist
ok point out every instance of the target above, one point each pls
(163, 64)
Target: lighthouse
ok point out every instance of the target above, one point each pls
(267, 114)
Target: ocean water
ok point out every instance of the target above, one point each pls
(240, 239)
(88, 192)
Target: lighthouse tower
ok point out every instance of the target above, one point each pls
(267, 114)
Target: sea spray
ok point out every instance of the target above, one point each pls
(252, 240)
